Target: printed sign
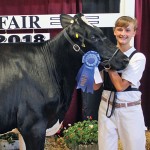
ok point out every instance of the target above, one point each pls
(30, 37)
(51, 21)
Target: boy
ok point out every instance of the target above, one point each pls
(120, 112)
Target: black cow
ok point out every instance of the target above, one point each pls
(37, 79)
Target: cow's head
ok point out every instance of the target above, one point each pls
(90, 37)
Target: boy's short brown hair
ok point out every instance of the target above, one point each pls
(124, 21)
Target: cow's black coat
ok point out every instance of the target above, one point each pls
(37, 79)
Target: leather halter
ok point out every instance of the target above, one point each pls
(105, 63)
(76, 47)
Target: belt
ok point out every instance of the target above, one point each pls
(120, 105)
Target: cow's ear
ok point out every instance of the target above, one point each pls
(66, 20)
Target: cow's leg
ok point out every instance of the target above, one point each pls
(35, 137)
(21, 140)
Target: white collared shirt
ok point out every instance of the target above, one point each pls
(133, 73)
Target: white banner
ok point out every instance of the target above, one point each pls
(52, 21)
(28, 37)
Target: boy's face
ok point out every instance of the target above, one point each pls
(124, 34)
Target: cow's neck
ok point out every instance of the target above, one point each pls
(75, 46)
(66, 61)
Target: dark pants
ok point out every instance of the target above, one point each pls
(90, 104)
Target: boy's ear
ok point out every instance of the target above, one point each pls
(134, 33)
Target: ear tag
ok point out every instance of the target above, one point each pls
(72, 21)
(77, 35)
(83, 45)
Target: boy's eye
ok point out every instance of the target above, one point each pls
(127, 30)
(119, 29)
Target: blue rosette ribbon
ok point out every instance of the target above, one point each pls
(85, 76)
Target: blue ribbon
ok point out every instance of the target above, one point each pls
(85, 76)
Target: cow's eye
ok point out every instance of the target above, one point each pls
(94, 38)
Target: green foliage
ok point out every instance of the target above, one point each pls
(10, 137)
(85, 133)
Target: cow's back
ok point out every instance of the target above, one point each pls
(24, 80)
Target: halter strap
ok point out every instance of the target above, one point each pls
(76, 47)
(106, 63)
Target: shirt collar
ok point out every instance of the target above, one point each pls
(129, 52)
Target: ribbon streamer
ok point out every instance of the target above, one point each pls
(85, 76)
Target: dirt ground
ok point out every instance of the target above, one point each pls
(52, 144)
